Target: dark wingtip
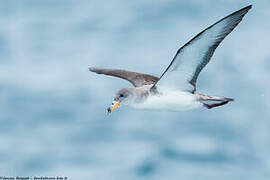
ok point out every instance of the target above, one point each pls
(91, 69)
(249, 6)
(95, 70)
(244, 10)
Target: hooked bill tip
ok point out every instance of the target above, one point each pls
(108, 111)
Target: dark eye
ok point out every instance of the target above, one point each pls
(121, 95)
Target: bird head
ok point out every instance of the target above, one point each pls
(123, 96)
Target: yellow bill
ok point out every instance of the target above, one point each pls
(115, 105)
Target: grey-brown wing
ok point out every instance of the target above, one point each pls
(135, 78)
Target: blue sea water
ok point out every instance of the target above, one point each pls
(52, 110)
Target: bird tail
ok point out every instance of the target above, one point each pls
(213, 101)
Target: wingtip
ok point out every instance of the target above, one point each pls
(244, 9)
(93, 69)
(249, 6)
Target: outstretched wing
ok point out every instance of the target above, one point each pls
(137, 79)
(183, 71)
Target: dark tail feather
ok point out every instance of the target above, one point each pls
(210, 106)
(208, 101)
(228, 99)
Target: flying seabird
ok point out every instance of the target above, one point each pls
(175, 89)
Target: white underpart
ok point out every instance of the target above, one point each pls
(170, 100)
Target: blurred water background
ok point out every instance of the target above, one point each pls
(52, 109)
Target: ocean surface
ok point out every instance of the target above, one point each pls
(52, 109)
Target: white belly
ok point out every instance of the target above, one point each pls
(170, 100)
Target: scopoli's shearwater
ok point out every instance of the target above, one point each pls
(176, 88)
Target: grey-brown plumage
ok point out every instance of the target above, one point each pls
(135, 78)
